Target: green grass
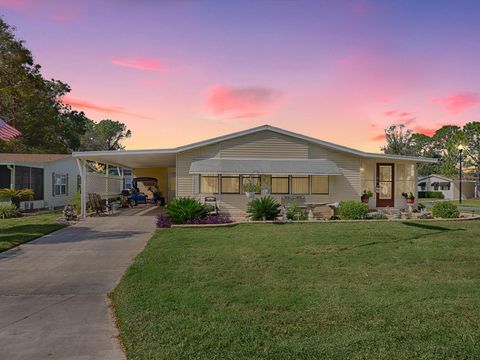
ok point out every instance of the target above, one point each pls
(380, 290)
(17, 231)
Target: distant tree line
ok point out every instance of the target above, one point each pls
(33, 105)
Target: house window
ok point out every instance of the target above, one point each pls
(255, 179)
(30, 178)
(230, 184)
(209, 184)
(300, 185)
(280, 184)
(60, 181)
(319, 184)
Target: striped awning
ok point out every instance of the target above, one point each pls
(265, 166)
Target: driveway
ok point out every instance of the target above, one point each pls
(53, 290)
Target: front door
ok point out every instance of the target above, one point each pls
(385, 185)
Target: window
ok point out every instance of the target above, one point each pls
(30, 178)
(280, 184)
(255, 179)
(209, 184)
(319, 184)
(60, 187)
(300, 185)
(230, 184)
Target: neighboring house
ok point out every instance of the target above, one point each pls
(282, 162)
(54, 178)
(450, 188)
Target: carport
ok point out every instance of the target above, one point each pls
(160, 164)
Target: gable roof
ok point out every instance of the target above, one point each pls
(435, 175)
(254, 130)
(31, 158)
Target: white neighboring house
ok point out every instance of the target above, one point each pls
(450, 188)
(54, 178)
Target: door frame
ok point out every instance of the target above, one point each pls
(385, 202)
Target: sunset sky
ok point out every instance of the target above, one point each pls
(181, 71)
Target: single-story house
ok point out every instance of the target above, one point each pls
(449, 187)
(54, 179)
(282, 162)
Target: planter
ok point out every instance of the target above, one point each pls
(410, 200)
(365, 199)
(250, 194)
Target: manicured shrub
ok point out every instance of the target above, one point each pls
(8, 211)
(446, 210)
(352, 210)
(211, 219)
(431, 195)
(295, 213)
(163, 221)
(264, 208)
(16, 195)
(181, 210)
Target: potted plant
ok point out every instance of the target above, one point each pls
(367, 194)
(250, 189)
(409, 197)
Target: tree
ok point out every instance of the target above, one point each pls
(471, 133)
(399, 140)
(105, 135)
(444, 147)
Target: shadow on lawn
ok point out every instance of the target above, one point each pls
(437, 230)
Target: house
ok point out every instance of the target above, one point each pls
(449, 187)
(284, 163)
(54, 178)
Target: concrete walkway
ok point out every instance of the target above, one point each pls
(53, 290)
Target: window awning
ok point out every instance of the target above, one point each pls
(265, 166)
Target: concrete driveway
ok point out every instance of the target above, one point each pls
(53, 290)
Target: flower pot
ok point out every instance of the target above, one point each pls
(410, 200)
(365, 199)
(250, 194)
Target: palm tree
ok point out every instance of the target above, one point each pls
(16, 195)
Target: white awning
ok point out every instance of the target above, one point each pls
(265, 166)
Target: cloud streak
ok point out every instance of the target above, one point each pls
(241, 102)
(87, 105)
(141, 63)
(457, 103)
(13, 4)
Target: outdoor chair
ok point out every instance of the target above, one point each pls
(98, 205)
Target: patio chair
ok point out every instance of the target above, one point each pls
(98, 205)
(211, 203)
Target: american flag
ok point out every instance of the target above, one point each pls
(8, 132)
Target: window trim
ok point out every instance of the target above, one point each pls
(208, 176)
(229, 177)
(300, 177)
(60, 186)
(317, 193)
(280, 177)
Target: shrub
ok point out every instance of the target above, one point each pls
(181, 210)
(431, 195)
(445, 209)
(211, 219)
(163, 221)
(352, 210)
(295, 213)
(16, 195)
(8, 211)
(264, 208)
(76, 202)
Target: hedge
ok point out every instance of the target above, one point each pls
(431, 195)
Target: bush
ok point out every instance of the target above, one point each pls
(446, 210)
(352, 210)
(163, 221)
(431, 195)
(295, 213)
(181, 210)
(8, 211)
(211, 219)
(264, 208)
(16, 195)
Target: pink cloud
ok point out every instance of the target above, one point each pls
(390, 112)
(13, 4)
(146, 64)
(87, 105)
(62, 18)
(457, 103)
(424, 130)
(378, 137)
(147, 82)
(241, 102)
(359, 7)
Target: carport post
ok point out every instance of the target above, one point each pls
(82, 168)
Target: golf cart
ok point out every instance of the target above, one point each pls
(136, 197)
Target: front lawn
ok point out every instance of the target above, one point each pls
(378, 290)
(16, 231)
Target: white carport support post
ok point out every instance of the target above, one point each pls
(106, 183)
(82, 168)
